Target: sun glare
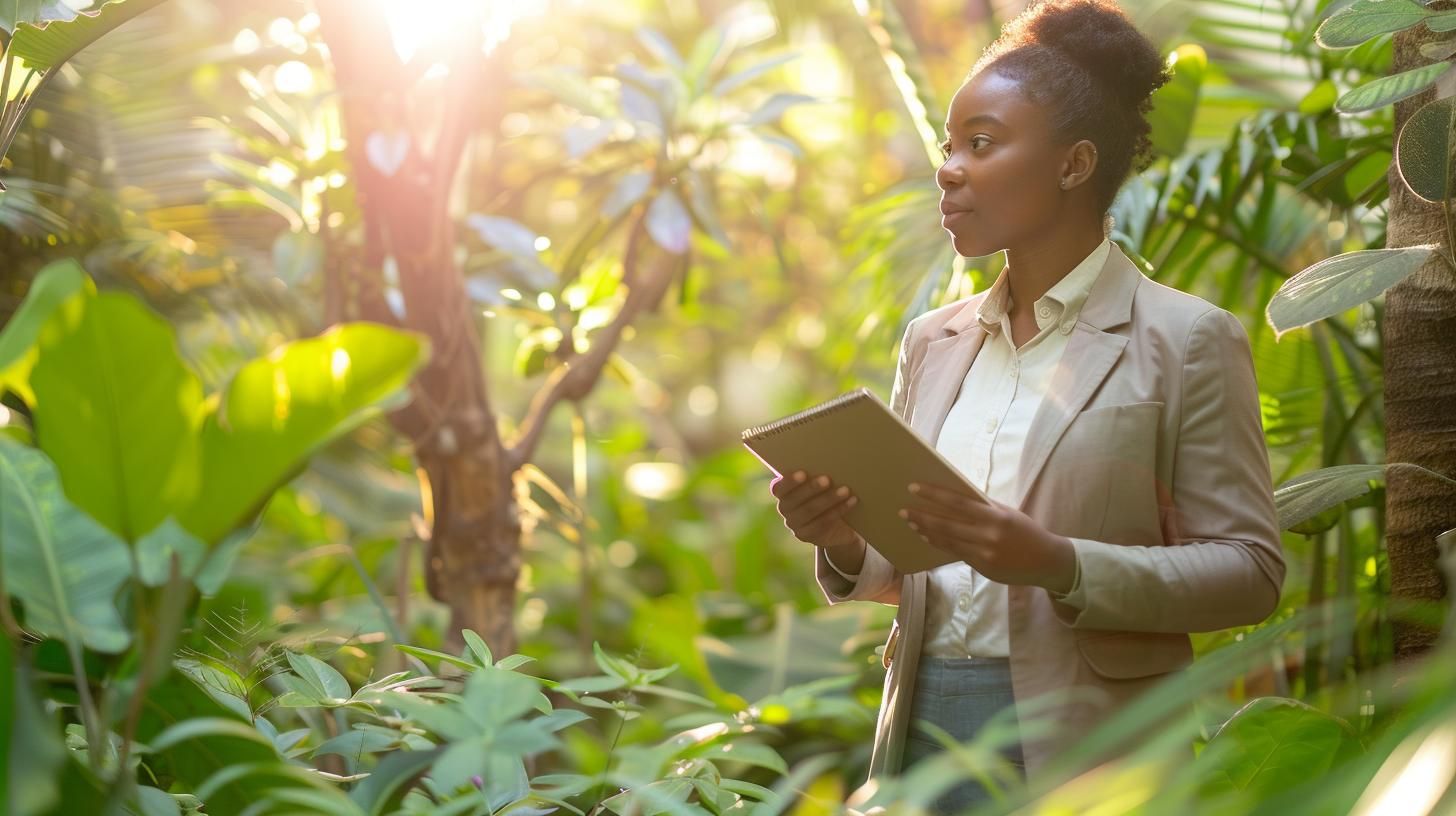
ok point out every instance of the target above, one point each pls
(414, 24)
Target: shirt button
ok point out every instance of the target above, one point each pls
(990, 425)
(1044, 311)
(1067, 327)
(963, 602)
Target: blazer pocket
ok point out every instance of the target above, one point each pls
(1129, 655)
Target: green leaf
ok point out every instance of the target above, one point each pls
(1272, 744)
(1175, 105)
(1319, 99)
(1336, 285)
(117, 411)
(154, 802)
(281, 408)
(323, 679)
(53, 285)
(390, 780)
(1306, 496)
(1442, 22)
(749, 753)
(1423, 151)
(1391, 89)
(62, 565)
(49, 44)
(494, 697)
(155, 549)
(477, 647)
(431, 654)
(1368, 18)
(613, 665)
(358, 742)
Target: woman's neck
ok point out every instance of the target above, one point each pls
(1035, 268)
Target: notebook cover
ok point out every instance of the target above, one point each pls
(858, 441)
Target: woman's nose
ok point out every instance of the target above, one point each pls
(949, 174)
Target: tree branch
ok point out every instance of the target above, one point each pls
(576, 377)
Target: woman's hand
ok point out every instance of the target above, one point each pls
(996, 540)
(813, 510)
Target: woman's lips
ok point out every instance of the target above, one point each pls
(947, 216)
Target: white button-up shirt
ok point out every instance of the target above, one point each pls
(983, 436)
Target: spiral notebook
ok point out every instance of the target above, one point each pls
(858, 441)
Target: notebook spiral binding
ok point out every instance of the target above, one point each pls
(761, 431)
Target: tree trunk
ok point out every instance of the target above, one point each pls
(408, 277)
(1420, 388)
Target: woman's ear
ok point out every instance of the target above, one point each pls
(1080, 164)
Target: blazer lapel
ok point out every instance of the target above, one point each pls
(1090, 354)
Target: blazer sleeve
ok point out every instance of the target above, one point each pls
(877, 580)
(1223, 565)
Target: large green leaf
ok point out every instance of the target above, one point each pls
(1273, 744)
(1341, 283)
(52, 286)
(1306, 496)
(1368, 18)
(1176, 103)
(281, 408)
(48, 44)
(118, 412)
(1423, 151)
(63, 566)
(1391, 89)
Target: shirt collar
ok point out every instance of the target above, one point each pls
(1062, 303)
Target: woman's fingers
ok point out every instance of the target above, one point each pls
(827, 518)
(783, 485)
(808, 491)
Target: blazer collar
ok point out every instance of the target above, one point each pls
(1089, 357)
(1108, 304)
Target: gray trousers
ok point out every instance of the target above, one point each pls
(959, 695)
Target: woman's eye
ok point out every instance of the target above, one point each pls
(975, 138)
(945, 148)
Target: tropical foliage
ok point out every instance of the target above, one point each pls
(244, 418)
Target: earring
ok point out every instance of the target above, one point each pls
(1064, 184)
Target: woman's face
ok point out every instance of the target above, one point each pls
(1000, 180)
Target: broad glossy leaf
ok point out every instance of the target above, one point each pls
(1391, 89)
(155, 550)
(1368, 18)
(1272, 744)
(1423, 151)
(53, 285)
(63, 566)
(118, 411)
(1176, 103)
(49, 44)
(280, 408)
(1336, 285)
(1310, 494)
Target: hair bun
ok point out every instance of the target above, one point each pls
(1098, 36)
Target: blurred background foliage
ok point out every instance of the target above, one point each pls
(784, 149)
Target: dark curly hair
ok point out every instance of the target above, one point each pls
(1093, 72)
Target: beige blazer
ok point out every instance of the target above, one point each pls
(1149, 451)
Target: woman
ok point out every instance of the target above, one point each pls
(1113, 421)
